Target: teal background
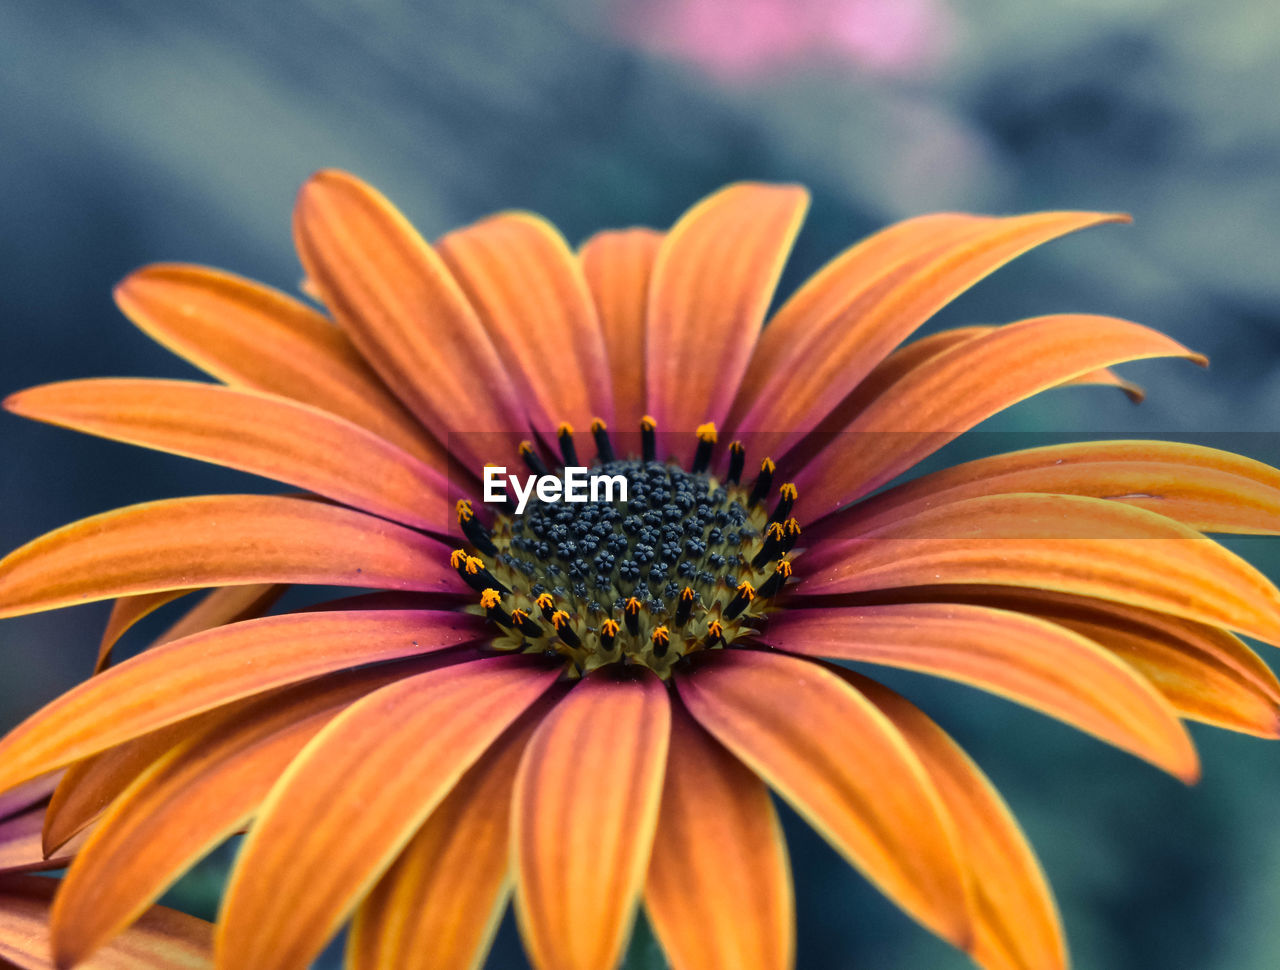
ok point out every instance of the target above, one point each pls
(137, 132)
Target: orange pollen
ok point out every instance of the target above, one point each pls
(783, 567)
(519, 616)
(490, 598)
(609, 628)
(525, 447)
(598, 425)
(632, 606)
(747, 590)
(793, 527)
(564, 429)
(545, 601)
(559, 618)
(647, 423)
(776, 530)
(768, 467)
(661, 635)
(788, 491)
(474, 564)
(707, 432)
(457, 558)
(465, 514)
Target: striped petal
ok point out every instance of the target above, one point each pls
(841, 764)
(907, 358)
(831, 334)
(404, 311)
(1205, 488)
(438, 907)
(718, 891)
(93, 783)
(251, 336)
(200, 672)
(1017, 921)
(225, 604)
(713, 279)
(1206, 673)
(217, 540)
(189, 801)
(1065, 543)
(353, 799)
(618, 265)
(584, 811)
(529, 291)
(950, 393)
(262, 434)
(163, 939)
(1022, 658)
(126, 612)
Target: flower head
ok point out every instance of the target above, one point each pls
(591, 701)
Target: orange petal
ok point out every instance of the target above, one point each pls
(217, 540)
(908, 357)
(1067, 543)
(225, 604)
(190, 800)
(1206, 673)
(125, 613)
(1022, 658)
(402, 308)
(163, 939)
(853, 313)
(528, 288)
(718, 892)
(438, 907)
(842, 765)
(353, 799)
(200, 672)
(713, 279)
(249, 335)
(950, 393)
(618, 265)
(262, 434)
(92, 784)
(583, 816)
(1017, 921)
(1207, 489)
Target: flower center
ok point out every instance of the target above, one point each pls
(686, 562)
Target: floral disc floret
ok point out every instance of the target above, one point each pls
(688, 562)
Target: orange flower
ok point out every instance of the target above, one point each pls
(160, 939)
(591, 701)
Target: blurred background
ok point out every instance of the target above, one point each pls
(138, 132)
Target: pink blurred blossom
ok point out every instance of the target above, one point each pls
(742, 39)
